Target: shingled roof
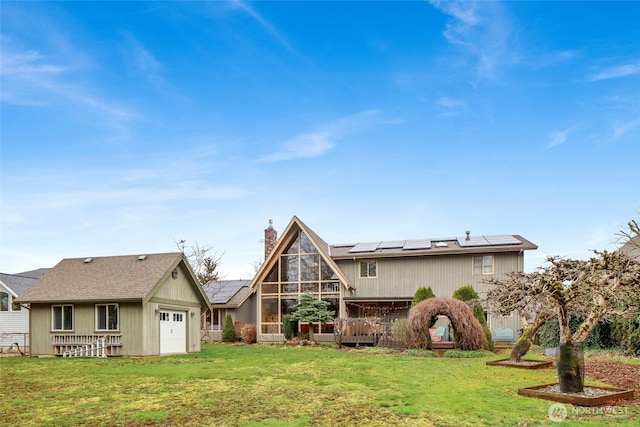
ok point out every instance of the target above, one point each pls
(113, 278)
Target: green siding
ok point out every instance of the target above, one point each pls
(178, 290)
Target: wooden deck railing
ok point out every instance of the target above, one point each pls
(71, 342)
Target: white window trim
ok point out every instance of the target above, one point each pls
(482, 272)
(360, 269)
(73, 320)
(107, 320)
(9, 301)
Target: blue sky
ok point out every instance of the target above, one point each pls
(128, 126)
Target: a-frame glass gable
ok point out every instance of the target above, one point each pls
(299, 268)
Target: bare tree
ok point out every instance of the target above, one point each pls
(630, 236)
(603, 287)
(203, 261)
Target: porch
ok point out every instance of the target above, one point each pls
(378, 331)
(70, 342)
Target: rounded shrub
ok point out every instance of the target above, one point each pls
(466, 294)
(248, 333)
(422, 294)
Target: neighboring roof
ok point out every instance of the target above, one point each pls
(432, 246)
(16, 283)
(632, 248)
(228, 293)
(34, 274)
(114, 278)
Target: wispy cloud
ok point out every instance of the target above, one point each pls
(28, 63)
(481, 29)
(301, 147)
(144, 61)
(560, 137)
(265, 24)
(615, 72)
(449, 106)
(320, 142)
(622, 129)
(552, 59)
(33, 78)
(95, 192)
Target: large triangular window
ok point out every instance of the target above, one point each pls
(299, 268)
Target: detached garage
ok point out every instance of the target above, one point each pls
(173, 332)
(140, 305)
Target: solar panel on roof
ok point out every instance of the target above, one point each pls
(503, 239)
(365, 247)
(222, 292)
(410, 245)
(393, 244)
(473, 241)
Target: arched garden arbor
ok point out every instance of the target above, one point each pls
(468, 332)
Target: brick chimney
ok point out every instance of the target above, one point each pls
(270, 239)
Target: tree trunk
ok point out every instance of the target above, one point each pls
(524, 342)
(571, 367)
(311, 332)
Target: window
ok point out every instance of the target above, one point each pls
(107, 318)
(483, 264)
(368, 269)
(62, 317)
(4, 301)
(299, 268)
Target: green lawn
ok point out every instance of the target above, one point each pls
(228, 385)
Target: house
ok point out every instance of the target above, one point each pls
(14, 320)
(143, 305)
(377, 279)
(233, 297)
(632, 248)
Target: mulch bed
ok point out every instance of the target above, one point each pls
(619, 375)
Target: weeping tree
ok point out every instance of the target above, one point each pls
(311, 310)
(603, 287)
(468, 331)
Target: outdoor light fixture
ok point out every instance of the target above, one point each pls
(157, 311)
(193, 313)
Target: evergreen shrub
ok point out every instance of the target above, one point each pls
(422, 294)
(229, 330)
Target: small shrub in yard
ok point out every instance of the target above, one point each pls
(401, 334)
(229, 330)
(464, 354)
(248, 333)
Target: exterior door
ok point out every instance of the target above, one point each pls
(173, 332)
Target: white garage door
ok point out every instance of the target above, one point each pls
(173, 332)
